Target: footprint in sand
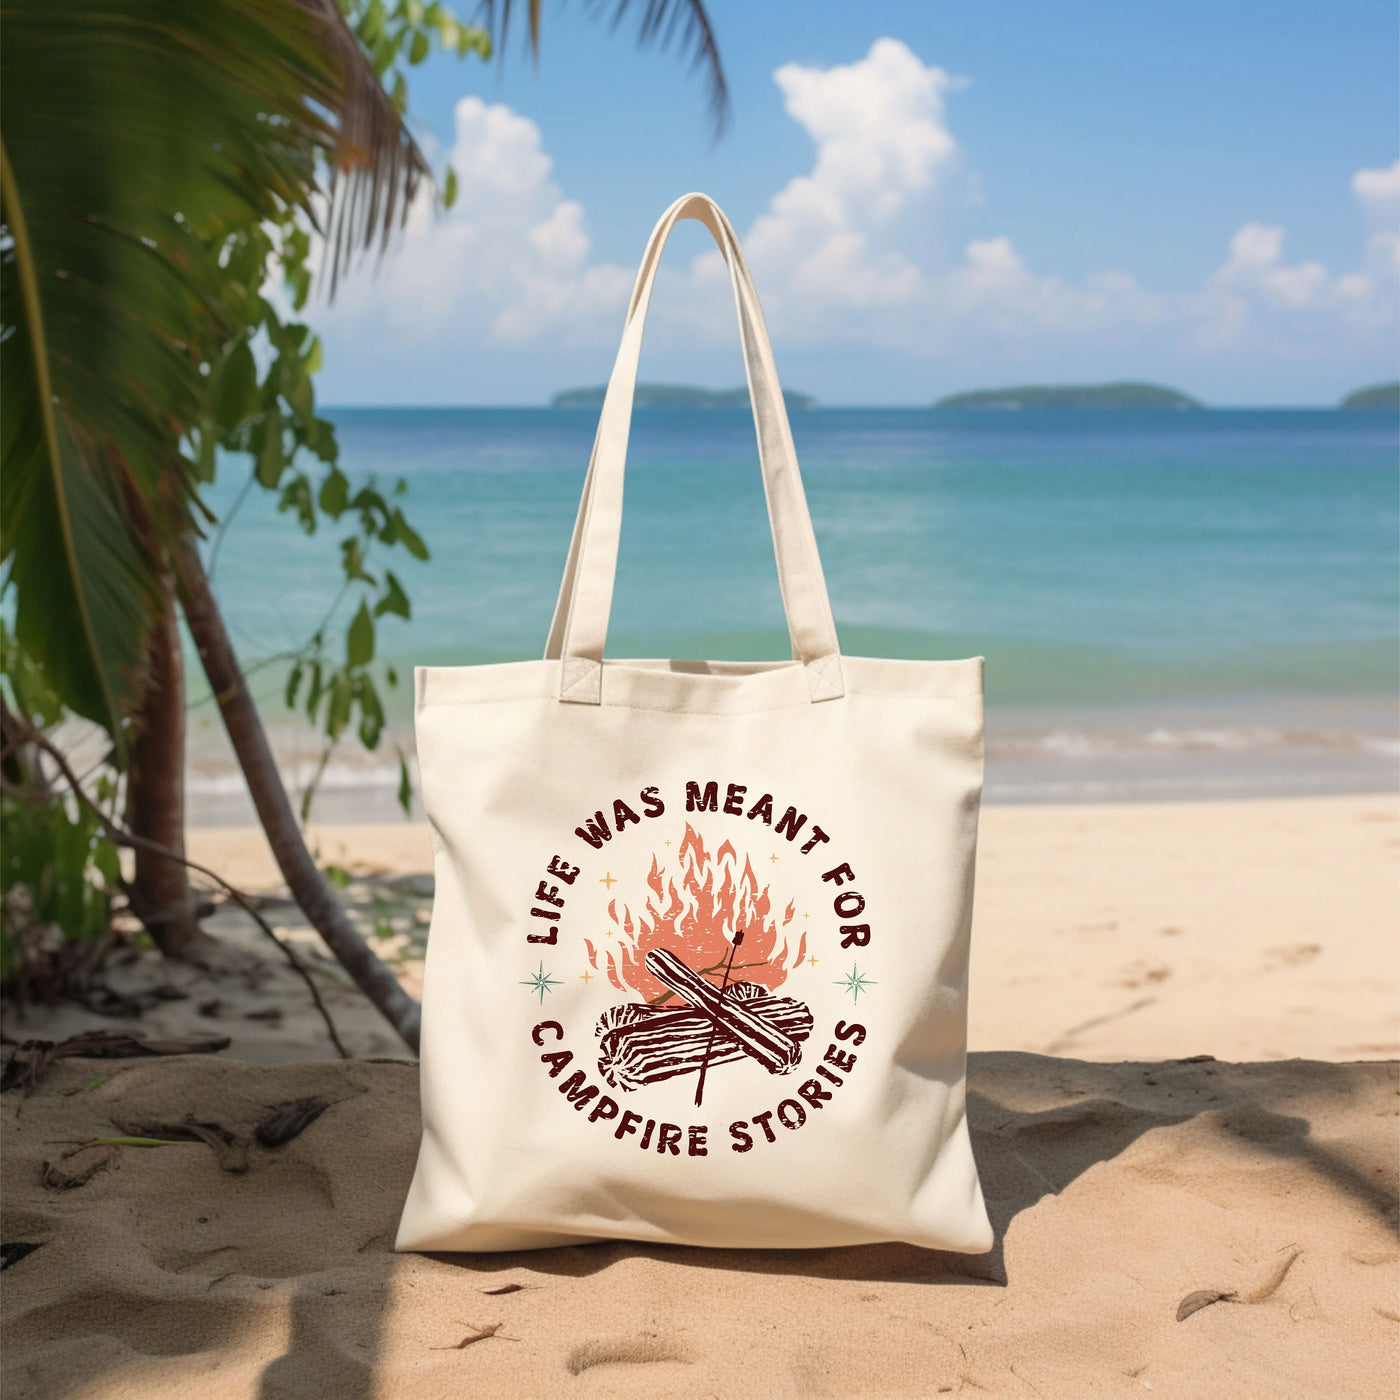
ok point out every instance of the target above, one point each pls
(623, 1351)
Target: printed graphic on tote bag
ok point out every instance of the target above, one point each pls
(701, 949)
(710, 924)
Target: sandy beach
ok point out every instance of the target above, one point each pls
(1116, 949)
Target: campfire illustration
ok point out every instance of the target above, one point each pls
(704, 958)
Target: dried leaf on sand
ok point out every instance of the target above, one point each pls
(1201, 1298)
(13, 1253)
(1264, 1284)
(31, 1061)
(285, 1121)
(479, 1335)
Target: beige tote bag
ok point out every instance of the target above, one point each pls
(697, 969)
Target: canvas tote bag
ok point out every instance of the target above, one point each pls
(697, 969)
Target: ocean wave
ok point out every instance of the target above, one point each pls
(1068, 744)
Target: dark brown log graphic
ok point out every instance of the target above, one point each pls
(615, 1017)
(641, 1045)
(777, 1051)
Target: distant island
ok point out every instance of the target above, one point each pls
(675, 396)
(1124, 396)
(1378, 396)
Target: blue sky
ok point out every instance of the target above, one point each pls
(933, 197)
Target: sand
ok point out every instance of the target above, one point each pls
(1117, 1191)
(1111, 941)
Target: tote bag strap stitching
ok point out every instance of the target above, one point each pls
(580, 621)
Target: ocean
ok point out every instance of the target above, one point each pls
(1171, 605)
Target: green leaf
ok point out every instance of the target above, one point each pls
(371, 24)
(407, 536)
(293, 685)
(320, 439)
(313, 692)
(449, 188)
(395, 600)
(405, 786)
(419, 48)
(233, 387)
(359, 640)
(353, 560)
(469, 38)
(399, 95)
(296, 496)
(206, 464)
(335, 493)
(371, 713)
(272, 459)
(338, 706)
(371, 506)
(297, 390)
(315, 356)
(83, 588)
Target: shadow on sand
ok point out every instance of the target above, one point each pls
(297, 1278)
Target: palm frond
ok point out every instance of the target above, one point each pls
(680, 24)
(137, 134)
(377, 166)
(91, 633)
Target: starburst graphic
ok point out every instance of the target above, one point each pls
(541, 982)
(854, 982)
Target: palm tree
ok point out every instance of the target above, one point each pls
(141, 142)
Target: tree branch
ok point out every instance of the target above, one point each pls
(307, 884)
(120, 836)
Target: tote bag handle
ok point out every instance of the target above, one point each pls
(580, 627)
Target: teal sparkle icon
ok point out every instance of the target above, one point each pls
(854, 982)
(541, 982)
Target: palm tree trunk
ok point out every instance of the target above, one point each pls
(155, 790)
(308, 886)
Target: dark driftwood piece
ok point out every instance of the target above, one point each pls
(31, 1060)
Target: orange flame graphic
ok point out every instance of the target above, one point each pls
(697, 922)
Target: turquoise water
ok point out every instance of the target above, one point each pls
(1224, 573)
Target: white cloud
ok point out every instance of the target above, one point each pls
(511, 256)
(849, 252)
(995, 291)
(1378, 192)
(1256, 267)
(882, 144)
(1257, 298)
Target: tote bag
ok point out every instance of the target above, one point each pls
(697, 968)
